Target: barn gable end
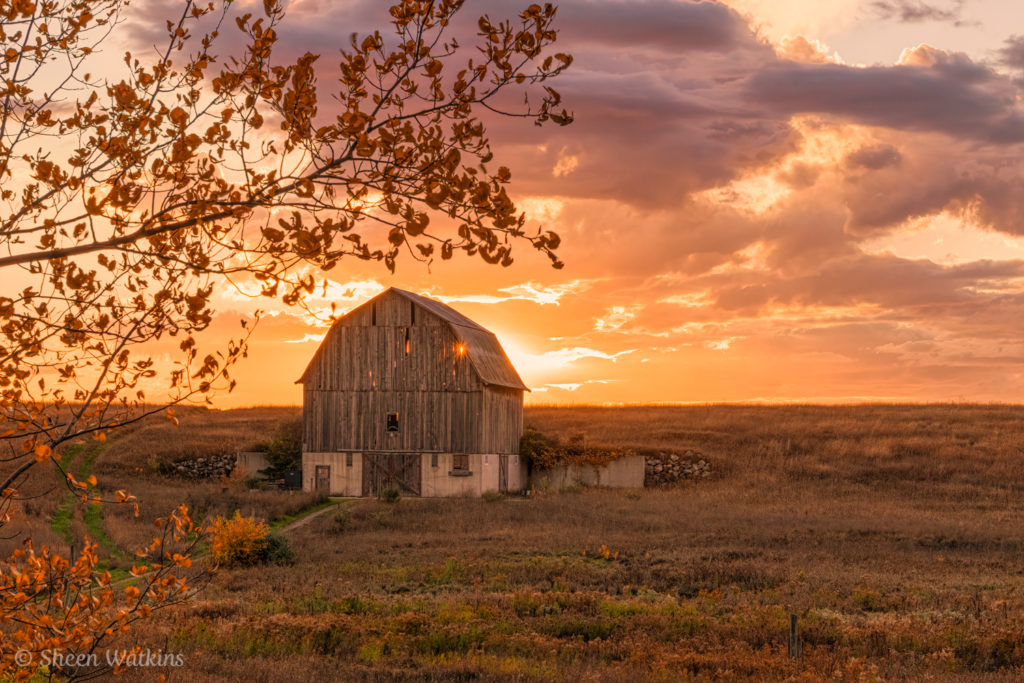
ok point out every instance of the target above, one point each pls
(388, 309)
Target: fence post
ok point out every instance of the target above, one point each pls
(795, 645)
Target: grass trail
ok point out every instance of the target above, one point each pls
(62, 516)
(92, 515)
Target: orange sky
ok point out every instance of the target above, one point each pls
(758, 201)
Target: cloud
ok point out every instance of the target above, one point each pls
(800, 49)
(874, 157)
(615, 317)
(528, 291)
(1012, 52)
(954, 97)
(917, 11)
(309, 337)
(664, 26)
(574, 386)
(576, 353)
(720, 344)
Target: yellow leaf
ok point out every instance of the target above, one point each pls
(42, 452)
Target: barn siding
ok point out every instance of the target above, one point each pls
(502, 420)
(450, 422)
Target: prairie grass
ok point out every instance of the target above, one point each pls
(894, 533)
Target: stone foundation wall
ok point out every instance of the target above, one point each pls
(666, 467)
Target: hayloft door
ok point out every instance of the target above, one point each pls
(323, 478)
(391, 470)
(503, 473)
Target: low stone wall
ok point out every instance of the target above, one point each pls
(666, 467)
(624, 473)
(203, 468)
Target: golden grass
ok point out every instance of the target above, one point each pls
(893, 532)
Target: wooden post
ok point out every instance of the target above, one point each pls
(795, 645)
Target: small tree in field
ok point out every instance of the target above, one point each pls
(130, 191)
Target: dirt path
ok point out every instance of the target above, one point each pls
(305, 520)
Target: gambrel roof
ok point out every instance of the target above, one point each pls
(486, 356)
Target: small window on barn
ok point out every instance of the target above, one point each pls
(373, 314)
(460, 462)
(392, 422)
(412, 314)
(433, 459)
(348, 460)
(408, 344)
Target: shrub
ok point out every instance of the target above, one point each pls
(278, 551)
(492, 496)
(247, 541)
(390, 495)
(342, 519)
(545, 452)
(284, 451)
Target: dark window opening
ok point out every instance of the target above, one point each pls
(460, 462)
(408, 345)
(373, 314)
(412, 315)
(433, 459)
(392, 423)
(348, 460)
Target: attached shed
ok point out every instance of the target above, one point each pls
(406, 392)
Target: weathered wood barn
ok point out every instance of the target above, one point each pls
(406, 392)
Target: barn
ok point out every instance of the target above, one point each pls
(408, 393)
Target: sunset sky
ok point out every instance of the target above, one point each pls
(776, 200)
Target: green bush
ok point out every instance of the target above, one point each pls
(277, 550)
(284, 451)
(544, 452)
(390, 495)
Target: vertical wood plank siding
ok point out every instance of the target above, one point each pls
(362, 372)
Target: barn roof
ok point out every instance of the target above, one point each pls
(485, 354)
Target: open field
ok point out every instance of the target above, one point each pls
(894, 533)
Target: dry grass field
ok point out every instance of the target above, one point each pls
(894, 533)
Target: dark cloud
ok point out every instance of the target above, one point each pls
(874, 157)
(916, 11)
(1012, 52)
(664, 25)
(910, 98)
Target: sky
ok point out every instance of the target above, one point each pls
(759, 200)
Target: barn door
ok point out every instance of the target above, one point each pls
(391, 470)
(503, 473)
(323, 478)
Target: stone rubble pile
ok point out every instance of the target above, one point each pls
(203, 468)
(664, 467)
